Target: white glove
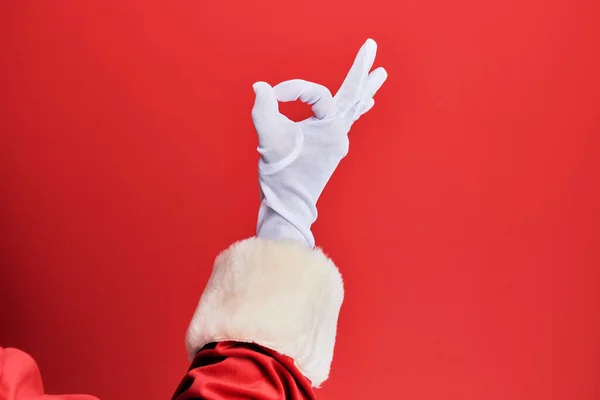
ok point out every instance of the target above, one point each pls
(298, 158)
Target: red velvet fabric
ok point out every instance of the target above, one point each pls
(223, 371)
(236, 371)
(20, 379)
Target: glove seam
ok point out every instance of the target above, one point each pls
(266, 168)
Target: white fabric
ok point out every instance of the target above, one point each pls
(275, 293)
(298, 158)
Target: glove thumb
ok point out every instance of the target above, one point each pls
(265, 104)
(275, 144)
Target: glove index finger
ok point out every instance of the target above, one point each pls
(350, 91)
(318, 96)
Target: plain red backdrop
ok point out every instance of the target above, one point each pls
(465, 219)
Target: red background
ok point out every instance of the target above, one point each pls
(465, 219)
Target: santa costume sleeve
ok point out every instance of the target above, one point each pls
(265, 325)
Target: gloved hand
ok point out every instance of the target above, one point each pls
(298, 158)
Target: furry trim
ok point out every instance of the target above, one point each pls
(277, 294)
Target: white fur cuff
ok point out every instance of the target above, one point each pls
(277, 294)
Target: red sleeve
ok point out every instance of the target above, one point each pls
(236, 371)
(20, 379)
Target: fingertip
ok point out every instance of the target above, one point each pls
(260, 86)
(324, 109)
(368, 106)
(265, 101)
(371, 44)
(381, 74)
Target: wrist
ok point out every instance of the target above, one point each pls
(272, 225)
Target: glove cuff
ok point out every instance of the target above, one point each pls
(272, 225)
